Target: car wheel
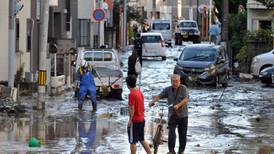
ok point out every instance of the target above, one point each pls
(117, 93)
(163, 57)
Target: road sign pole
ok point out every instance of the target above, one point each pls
(124, 25)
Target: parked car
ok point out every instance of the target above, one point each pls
(163, 27)
(267, 75)
(187, 30)
(153, 45)
(106, 62)
(204, 64)
(261, 62)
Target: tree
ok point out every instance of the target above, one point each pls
(267, 3)
(233, 5)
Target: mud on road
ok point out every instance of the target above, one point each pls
(236, 119)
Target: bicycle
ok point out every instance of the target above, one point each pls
(158, 136)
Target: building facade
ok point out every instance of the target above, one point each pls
(23, 31)
(258, 16)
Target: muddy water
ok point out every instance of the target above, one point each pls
(238, 119)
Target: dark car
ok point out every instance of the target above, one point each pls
(187, 30)
(267, 75)
(205, 64)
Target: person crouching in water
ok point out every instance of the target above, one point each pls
(86, 85)
(136, 122)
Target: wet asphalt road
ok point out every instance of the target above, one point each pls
(237, 119)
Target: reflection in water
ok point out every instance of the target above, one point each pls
(87, 132)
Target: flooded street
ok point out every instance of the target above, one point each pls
(236, 119)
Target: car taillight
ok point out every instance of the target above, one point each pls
(162, 44)
(115, 86)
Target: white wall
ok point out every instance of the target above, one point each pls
(255, 15)
(85, 9)
(4, 12)
(256, 12)
(20, 57)
(23, 57)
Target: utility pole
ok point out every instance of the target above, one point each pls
(225, 20)
(12, 4)
(197, 12)
(101, 27)
(154, 9)
(225, 13)
(43, 54)
(124, 25)
(210, 13)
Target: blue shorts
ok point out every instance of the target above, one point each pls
(136, 132)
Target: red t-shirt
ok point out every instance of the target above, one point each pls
(136, 99)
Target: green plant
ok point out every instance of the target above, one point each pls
(130, 34)
(260, 35)
(243, 55)
(19, 74)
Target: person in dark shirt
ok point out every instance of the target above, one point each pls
(138, 45)
(177, 99)
(131, 63)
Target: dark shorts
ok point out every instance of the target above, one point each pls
(136, 132)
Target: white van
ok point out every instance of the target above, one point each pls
(163, 27)
(153, 45)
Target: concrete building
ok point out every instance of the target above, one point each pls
(68, 20)
(23, 24)
(258, 16)
(171, 9)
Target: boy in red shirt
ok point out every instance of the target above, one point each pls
(136, 122)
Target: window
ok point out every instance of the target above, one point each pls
(198, 54)
(157, 15)
(68, 15)
(188, 24)
(88, 56)
(98, 56)
(84, 32)
(107, 56)
(17, 34)
(151, 39)
(265, 24)
(29, 34)
(161, 26)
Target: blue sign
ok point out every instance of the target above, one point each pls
(99, 14)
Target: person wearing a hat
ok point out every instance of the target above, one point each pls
(86, 84)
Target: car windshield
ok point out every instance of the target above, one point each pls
(198, 54)
(161, 26)
(188, 24)
(98, 56)
(151, 39)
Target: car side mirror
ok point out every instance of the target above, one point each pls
(175, 59)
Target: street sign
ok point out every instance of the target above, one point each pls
(99, 15)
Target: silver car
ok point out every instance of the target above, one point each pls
(153, 45)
